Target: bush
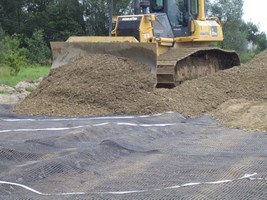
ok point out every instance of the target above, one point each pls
(14, 56)
(38, 50)
(245, 57)
(2, 45)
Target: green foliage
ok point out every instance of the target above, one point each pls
(3, 92)
(29, 89)
(14, 56)
(2, 45)
(26, 73)
(96, 14)
(2, 33)
(38, 50)
(230, 13)
(12, 60)
(235, 39)
(60, 19)
(227, 10)
(254, 36)
(252, 30)
(12, 15)
(245, 57)
(96, 17)
(261, 42)
(237, 33)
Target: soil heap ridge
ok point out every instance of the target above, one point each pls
(205, 94)
(96, 85)
(108, 85)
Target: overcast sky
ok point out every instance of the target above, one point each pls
(256, 11)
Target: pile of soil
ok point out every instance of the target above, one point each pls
(96, 85)
(248, 109)
(243, 114)
(107, 85)
(205, 94)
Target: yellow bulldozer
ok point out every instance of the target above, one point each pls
(173, 37)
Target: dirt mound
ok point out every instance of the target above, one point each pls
(205, 94)
(220, 95)
(106, 85)
(249, 113)
(96, 85)
(244, 114)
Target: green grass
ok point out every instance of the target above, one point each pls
(3, 92)
(246, 57)
(29, 89)
(26, 73)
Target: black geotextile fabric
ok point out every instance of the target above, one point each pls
(165, 156)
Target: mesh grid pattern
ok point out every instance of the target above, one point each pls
(146, 154)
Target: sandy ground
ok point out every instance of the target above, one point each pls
(243, 114)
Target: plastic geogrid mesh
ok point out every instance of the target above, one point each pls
(163, 156)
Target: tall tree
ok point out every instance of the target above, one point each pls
(253, 32)
(257, 38)
(59, 19)
(262, 42)
(11, 15)
(2, 44)
(37, 5)
(67, 17)
(96, 14)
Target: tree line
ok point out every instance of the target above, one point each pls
(27, 26)
(245, 38)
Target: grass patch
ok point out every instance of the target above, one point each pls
(3, 92)
(29, 89)
(246, 57)
(25, 74)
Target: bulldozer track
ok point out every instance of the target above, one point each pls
(178, 65)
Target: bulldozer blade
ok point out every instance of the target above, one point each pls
(67, 52)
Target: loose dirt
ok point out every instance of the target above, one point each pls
(243, 114)
(96, 85)
(108, 85)
(205, 94)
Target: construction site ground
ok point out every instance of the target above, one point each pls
(95, 132)
(163, 156)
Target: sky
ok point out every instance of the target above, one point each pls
(256, 11)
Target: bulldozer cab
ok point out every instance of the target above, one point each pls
(179, 12)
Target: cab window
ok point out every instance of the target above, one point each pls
(157, 4)
(176, 13)
(194, 8)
